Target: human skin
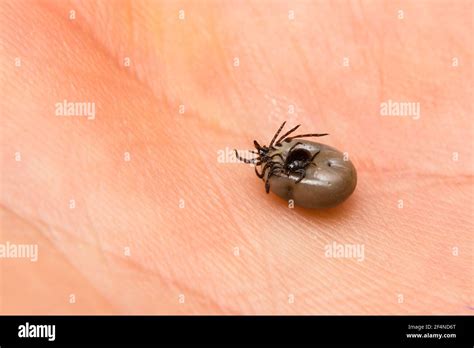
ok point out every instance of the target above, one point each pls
(412, 209)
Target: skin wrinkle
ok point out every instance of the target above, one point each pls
(223, 198)
(40, 227)
(106, 254)
(54, 9)
(214, 185)
(222, 58)
(269, 273)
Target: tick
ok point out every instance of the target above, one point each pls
(311, 174)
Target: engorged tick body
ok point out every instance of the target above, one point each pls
(311, 174)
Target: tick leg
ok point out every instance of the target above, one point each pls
(244, 159)
(302, 173)
(275, 169)
(312, 158)
(308, 135)
(287, 133)
(310, 162)
(291, 148)
(266, 158)
(279, 155)
(258, 174)
(267, 186)
(276, 134)
(270, 165)
(265, 167)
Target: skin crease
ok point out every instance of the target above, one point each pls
(191, 250)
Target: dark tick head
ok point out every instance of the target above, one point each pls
(297, 157)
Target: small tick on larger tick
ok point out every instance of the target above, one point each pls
(311, 174)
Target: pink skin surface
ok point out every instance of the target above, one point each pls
(180, 227)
